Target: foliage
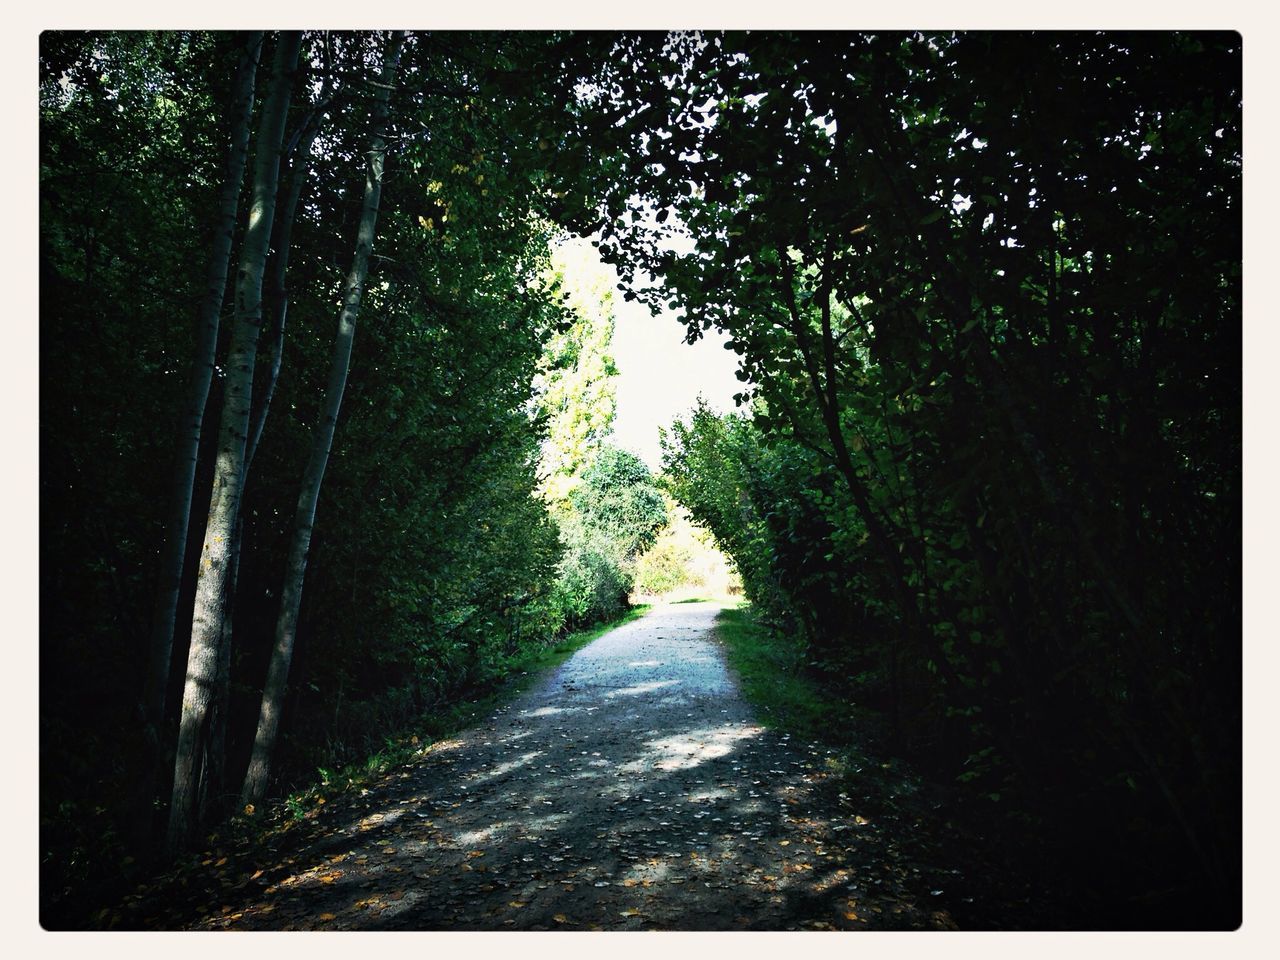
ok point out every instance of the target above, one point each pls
(985, 292)
(575, 385)
(684, 558)
(614, 514)
(434, 560)
(990, 332)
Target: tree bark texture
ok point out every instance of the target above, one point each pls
(255, 783)
(224, 503)
(173, 552)
(277, 300)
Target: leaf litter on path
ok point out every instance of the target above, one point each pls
(672, 806)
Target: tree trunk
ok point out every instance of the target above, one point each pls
(224, 504)
(278, 299)
(169, 579)
(255, 783)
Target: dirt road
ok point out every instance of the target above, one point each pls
(631, 789)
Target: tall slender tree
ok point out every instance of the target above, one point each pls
(224, 504)
(277, 300)
(173, 553)
(255, 783)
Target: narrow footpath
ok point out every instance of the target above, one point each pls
(631, 789)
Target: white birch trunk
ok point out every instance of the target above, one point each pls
(173, 553)
(224, 504)
(255, 783)
(278, 299)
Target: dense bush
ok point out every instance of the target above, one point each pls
(614, 514)
(990, 332)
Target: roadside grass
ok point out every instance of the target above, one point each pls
(871, 785)
(771, 671)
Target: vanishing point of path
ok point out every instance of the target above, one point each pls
(632, 788)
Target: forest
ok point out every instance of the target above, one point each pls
(327, 393)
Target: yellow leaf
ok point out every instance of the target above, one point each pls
(248, 809)
(630, 912)
(560, 918)
(326, 917)
(518, 904)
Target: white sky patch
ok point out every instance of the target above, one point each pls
(660, 377)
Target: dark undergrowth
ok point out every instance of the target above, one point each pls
(984, 882)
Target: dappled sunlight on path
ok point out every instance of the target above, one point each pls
(631, 789)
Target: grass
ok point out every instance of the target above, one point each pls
(768, 669)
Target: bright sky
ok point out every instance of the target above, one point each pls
(660, 376)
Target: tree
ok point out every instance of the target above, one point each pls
(255, 783)
(949, 299)
(224, 505)
(576, 388)
(169, 579)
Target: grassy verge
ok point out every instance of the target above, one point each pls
(927, 819)
(769, 671)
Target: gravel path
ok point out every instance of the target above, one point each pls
(630, 789)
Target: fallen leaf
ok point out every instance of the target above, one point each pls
(326, 917)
